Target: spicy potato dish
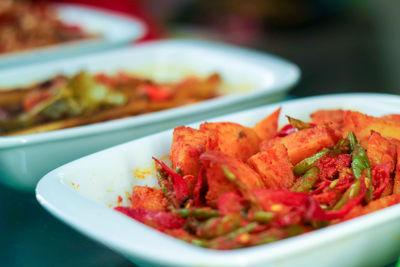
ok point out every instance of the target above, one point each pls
(231, 186)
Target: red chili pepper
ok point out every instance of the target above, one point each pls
(260, 228)
(330, 165)
(321, 186)
(158, 219)
(288, 206)
(230, 202)
(125, 77)
(105, 79)
(34, 98)
(289, 129)
(380, 178)
(329, 197)
(344, 182)
(156, 92)
(74, 28)
(286, 130)
(316, 212)
(197, 189)
(191, 182)
(180, 187)
(305, 204)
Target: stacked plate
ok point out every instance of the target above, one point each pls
(115, 30)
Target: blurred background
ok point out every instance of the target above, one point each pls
(340, 46)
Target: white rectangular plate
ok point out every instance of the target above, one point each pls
(251, 78)
(82, 192)
(115, 30)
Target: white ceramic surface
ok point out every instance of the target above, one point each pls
(116, 30)
(82, 192)
(252, 79)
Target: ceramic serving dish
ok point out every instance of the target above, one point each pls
(115, 30)
(250, 79)
(83, 192)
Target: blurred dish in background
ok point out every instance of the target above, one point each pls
(249, 79)
(112, 30)
(25, 25)
(64, 102)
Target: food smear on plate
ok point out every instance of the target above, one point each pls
(27, 25)
(231, 186)
(65, 102)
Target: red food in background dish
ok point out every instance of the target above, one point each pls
(128, 7)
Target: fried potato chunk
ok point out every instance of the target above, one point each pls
(396, 184)
(218, 165)
(187, 146)
(392, 117)
(148, 198)
(274, 167)
(362, 125)
(268, 127)
(233, 139)
(380, 150)
(333, 118)
(304, 143)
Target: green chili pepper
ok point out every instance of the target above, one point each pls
(199, 242)
(201, 213)
(242, 187)
(164, 189)
(307, 181)
(333, 184)
(342, 146)
(263, 216)
(230, 241)
(369, 194)
(179, 170)
(352, 139)
(215, 227)
(193, 240)
(360, 164)
(275, 235)
(300, 125)
(350, 193)
(307, 163)
(245, 229)
(229, 175)
(263, 238)
(294, 230)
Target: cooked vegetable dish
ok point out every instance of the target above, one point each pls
(26, 25)
(64, 102)
(231, 186)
